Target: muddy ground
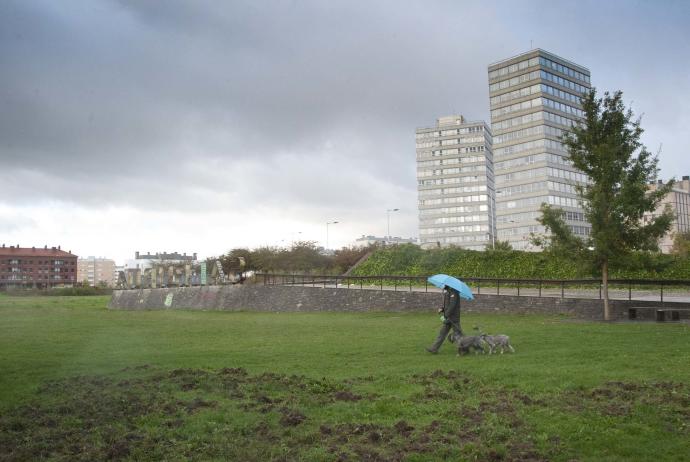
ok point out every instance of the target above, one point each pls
(230, 414)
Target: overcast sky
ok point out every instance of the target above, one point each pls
(199, 126)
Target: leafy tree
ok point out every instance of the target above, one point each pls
(681, 244)
(499, 246)
(606, 147)
(234, 254)
(304, 256)
(347, 257)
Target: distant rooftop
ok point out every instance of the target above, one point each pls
(540, 50)
(164, 256)
(456, 120)
(33, 251)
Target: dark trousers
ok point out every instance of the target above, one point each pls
(448, 324)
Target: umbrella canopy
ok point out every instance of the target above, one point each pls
(442, 280)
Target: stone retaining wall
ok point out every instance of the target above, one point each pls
(297, 298)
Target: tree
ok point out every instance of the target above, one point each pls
(606, 147)
(681, 244)
(230, 260)
(499, 246)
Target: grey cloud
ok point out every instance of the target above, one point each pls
(192, 105)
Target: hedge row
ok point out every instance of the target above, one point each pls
(62, 291)
(411, 260)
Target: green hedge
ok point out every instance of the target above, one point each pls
(61, 291)
(411, 260)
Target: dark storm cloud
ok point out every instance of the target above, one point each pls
(113, 93)
(106, 102)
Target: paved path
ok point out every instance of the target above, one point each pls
(680, 295)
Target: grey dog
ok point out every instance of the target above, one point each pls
(467, 343)
(498, 341)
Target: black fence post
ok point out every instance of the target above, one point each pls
(336, 282)
(381, 283)
(479, 287)
(518, 284)
(426, 286)
(360, 284)
(600, 291)
(395, 284)
(539, 287)
(630, 291)
(498, 287)
(661, 285)
(562, 289)
(410, 284)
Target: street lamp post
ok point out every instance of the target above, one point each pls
(492, 211)
(388, 217)
(492, 223)
(329, 223)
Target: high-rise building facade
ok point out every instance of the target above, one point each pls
(455, 183)
(534, 99)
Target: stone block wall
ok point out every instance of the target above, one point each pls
(278, 298)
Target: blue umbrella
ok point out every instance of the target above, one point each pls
(442, 280)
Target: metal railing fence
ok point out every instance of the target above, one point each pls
(561, 288)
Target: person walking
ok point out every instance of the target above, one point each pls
(451, 318)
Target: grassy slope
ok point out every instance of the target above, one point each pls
(48, 338)
(411, 260)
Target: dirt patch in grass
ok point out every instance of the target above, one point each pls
(345, 395)
(621, 399)
(291, 417)
(231, 414)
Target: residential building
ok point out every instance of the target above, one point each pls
(679, 201)
(97, 271)
(534, 99)
(455, 183)
(144, 261)
(366, 241)
(42, 268)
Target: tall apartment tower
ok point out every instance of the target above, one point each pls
(679, 201)
(535, 98)
(455, 183)
(96, 270)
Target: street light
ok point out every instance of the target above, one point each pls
(388, 216)
(492, 210)
(329, 223)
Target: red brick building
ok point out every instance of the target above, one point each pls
(22, 267)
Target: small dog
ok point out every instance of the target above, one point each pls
(498, 341)
(467, 343)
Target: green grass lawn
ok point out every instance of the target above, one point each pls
(79, 382)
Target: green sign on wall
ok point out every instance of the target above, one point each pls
(203, 274)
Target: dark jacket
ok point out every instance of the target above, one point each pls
(451, 305)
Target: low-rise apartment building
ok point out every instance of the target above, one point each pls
(31, 267)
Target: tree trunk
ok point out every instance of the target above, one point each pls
(605, 281)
